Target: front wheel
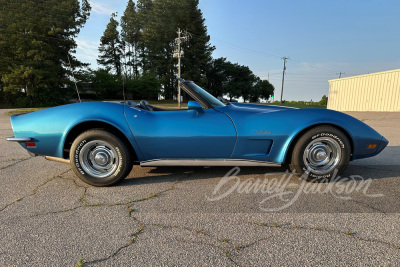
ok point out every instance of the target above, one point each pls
(100, 158)
(321, 153)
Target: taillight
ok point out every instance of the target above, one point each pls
(30, 144)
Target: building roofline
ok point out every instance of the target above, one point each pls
(364, 75)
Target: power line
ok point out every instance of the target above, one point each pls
(244, 49)
(267, 54)
(312, 67)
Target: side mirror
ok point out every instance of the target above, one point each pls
(195, 105)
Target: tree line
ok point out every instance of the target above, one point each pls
(135, 53)
(37, 42)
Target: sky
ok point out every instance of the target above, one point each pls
(321, 38)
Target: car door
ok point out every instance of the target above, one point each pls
(182, 134)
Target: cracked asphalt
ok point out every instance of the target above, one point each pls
(194, 216)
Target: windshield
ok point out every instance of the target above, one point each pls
(215, 103)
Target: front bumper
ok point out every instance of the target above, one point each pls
(384, 142)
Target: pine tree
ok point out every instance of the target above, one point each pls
(198, 50)
(144, 19)
(36, 39)
(131, 36)
(216, 76)
(111, 47)
(159, 34)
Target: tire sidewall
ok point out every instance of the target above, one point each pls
(113, 141)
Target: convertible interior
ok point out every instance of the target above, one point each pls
(143, 104)
(202, 99)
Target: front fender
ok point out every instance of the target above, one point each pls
(360, 134)
(282, 126)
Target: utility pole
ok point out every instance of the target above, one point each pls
(179, 53)
(340, 74)
(283, 74)
(179, 67)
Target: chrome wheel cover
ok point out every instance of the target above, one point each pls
(322, 155)
(99, 159)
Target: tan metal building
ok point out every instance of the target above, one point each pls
(370, 92)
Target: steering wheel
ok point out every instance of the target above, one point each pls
(145, 105)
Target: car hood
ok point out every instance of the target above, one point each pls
(256, 108)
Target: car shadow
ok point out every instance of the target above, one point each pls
(385, 165)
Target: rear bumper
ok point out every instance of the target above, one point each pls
(19, 139)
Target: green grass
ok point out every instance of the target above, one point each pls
(80, 263)
(174, 104)
(22, 111)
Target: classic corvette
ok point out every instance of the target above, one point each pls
(102, 140)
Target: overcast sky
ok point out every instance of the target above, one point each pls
(321, 38)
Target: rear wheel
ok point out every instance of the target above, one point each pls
(100, 158)
(321, 154)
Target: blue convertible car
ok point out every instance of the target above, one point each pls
(102, 140)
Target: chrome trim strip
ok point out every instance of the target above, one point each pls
(207, 162)
(57, 159)
(19, 139)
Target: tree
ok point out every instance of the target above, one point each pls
(145, 86)
(111, 47)
(239, 81)
(262, 90)
(130, 32)
(198, 50)
(36, 39)
(216, 76)
(158, 36)
(324, 100)
(106, 84)
(234, 80)
(144, 17)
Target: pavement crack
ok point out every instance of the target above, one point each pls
(16, 162)
(153, 195)
(56, 212)
(368, 206)
(290, 226)
(35, 190)
(5, 159)
(227, 247)
(225, 251)
(132, 240)
(253, 243)
(85, 204)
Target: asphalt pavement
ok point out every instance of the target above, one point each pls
(211, 216)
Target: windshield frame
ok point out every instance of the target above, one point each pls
(200, 95)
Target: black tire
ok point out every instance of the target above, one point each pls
(100, 158)
(321, 154)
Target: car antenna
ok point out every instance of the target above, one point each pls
(123, 82)
(123, 87)
(73, 76)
